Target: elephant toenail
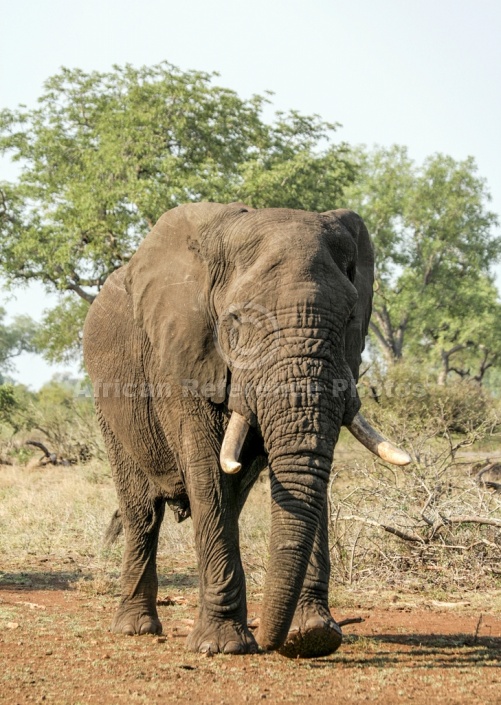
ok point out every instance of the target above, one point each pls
(233, 647)
(208, 646)
(316, 623)
(148, 628)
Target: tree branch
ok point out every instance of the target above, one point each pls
(70, 286)
(390, 529)
(384, 333)
(445, 521)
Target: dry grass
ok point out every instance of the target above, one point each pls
(254, 534)
(54, 510)
(60, 514)
(55, 517)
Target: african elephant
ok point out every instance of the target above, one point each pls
(230, 341)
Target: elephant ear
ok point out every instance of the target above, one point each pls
(169, 282)
(363, 279)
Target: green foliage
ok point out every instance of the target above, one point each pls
(407, 401)
(105, 154)
(462, 325)
(66, 420)
(435, 245)
(8, 402)
(291, 171)
(15, 400)
(15, 338)
(60, 336)
(58, 416)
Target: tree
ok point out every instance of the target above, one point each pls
(435, 244)
(105, 154)
(15, 338)
(461, 330)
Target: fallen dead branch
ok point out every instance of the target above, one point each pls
(390, 529)
(254, 622)
(488, 476)
(350, 620)
(415, 538)
(445, 521)
(49, 458)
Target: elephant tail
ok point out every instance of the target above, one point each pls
(115, 528)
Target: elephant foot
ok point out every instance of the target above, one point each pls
(313, 633)
(225, 637)
(133, 619)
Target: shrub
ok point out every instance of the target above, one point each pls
(408, 395)
(55, 416)
(430, 523)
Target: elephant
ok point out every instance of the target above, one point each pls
(231, 341)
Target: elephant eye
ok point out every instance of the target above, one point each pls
(233, 338)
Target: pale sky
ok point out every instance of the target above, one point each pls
(422, 73)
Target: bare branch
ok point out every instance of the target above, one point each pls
(81, 292)
(445, 521)
(37, 444)
(351, 620)
(390, 529)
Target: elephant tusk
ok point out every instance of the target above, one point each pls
(377, 444)
(233, 441)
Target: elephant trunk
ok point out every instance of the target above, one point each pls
(294, 519)
(299, 433)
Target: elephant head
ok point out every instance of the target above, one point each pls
(265, 313)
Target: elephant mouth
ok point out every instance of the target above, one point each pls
(238, 428)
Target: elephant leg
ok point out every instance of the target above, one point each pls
(313, 631)
(142, 511)
(222, 621)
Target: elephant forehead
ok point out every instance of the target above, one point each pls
(274, 231)
(294, 243)
(309, 271)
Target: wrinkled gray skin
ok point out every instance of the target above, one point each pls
(277, 301)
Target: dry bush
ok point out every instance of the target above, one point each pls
(430, 524)
(66, 423)
(415, 532)
(57, 417)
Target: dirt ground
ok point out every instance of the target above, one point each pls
(55, 647)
